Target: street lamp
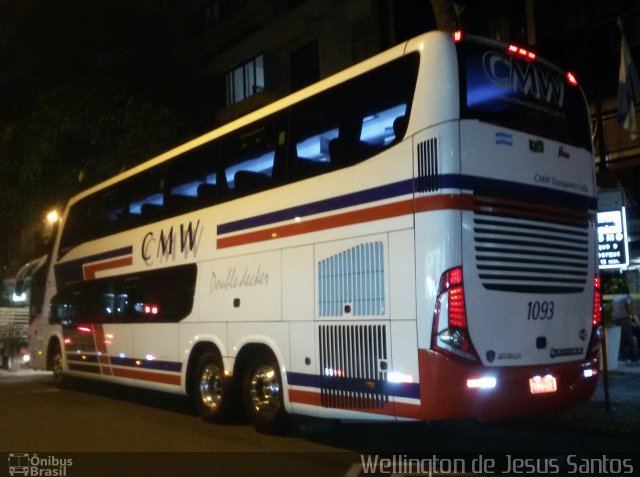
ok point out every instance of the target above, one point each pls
(52, 216)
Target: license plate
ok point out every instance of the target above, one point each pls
(543, 384)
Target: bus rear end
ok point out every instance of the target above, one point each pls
(514, 327)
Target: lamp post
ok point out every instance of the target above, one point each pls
(52, 217)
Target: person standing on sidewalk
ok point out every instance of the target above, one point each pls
(622, 315)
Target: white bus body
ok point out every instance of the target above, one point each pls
(446, 270)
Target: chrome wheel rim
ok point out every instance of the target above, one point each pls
(211, 387)
(264, 390)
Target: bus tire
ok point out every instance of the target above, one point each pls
(56, 364)
(211, 391)
(11, 363)
(13, 358)
(263, 395)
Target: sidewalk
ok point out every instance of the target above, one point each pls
(623, 416)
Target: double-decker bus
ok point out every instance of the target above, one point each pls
(411, 238)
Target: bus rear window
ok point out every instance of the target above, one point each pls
(524, 95)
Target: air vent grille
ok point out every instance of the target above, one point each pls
(427, 179)
(353, 361)
(530, 248)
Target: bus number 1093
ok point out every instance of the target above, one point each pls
(540, 310)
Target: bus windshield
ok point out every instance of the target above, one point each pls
(527, 95)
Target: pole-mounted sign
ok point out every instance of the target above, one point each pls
(613, 248)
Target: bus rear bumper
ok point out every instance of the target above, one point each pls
(445, 391)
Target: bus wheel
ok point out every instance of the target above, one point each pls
(263, 395)
(211, 391)
(11, 362)
(8, 361)
(57, 366)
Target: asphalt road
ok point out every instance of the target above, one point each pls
(36, 417)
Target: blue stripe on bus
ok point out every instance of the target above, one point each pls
(387, 191)
(405, 390)
(567, 199)
(89, 359)
(146, 364)
(396, 189)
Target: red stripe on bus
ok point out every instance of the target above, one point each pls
(91, 269)
(444, 202)
(304, 397)
(147, 376)
(103, 357)
(387, 211)
(307, 226)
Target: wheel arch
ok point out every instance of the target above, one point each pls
(198, 349)
(254, 347)
(54, 342)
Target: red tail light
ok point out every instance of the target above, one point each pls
(451, 283)
(457, 36)
(151, 309)
(597, 302)
(571, 78)
(450, 329)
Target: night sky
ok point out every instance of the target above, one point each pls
(87, 89)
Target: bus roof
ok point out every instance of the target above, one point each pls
(384, 57)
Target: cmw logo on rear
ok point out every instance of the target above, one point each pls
(504, 138)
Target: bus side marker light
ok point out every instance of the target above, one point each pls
(394, 377)
(482, 383)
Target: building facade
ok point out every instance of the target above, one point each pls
(252, 52)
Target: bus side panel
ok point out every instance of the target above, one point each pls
(436, 98)
(402, 275)
(405, 373)
(119, 339)
(243, 288)
(298, 284)
(304, 366)
(298, 308)
(438, 236)
(437, 250)
(156, 341)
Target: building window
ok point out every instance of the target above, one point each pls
(362, 42)
(218, 10)
(305, 66)
(245, 80)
